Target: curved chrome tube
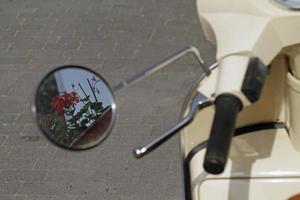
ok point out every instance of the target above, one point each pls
(165, 62)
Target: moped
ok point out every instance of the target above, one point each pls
(239, 130)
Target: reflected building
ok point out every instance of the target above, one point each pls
(46, 92)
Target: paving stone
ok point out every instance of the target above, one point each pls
(13, 104)
(105, 196)
(110, 176)
(25, 116)
(12, 197)
(51, 164)
(85, 176)
(25, 140)
(30, 152)
(39, 197)
(9, 187)
(62, 188)
(63, 197)
(8, 118)
(18, 163)
(22, 175)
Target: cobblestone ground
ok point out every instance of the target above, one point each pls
(116, 38)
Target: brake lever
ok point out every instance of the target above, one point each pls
(199, 102)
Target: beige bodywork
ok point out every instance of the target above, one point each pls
(264, 164)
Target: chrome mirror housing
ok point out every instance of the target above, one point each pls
(74, 107)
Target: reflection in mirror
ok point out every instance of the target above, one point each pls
(74, 107)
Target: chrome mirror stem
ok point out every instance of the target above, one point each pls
(199, 102)
(163, 63)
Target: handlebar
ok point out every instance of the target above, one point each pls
(227, 109)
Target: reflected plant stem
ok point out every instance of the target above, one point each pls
(92, 90)
(83, 91)
(90, 112)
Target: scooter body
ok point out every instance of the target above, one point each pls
(264, 157)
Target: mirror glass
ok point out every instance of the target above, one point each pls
(74, 107)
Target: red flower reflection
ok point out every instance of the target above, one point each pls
(58, 102)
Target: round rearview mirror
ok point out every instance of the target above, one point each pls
(74, 107)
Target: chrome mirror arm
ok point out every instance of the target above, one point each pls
(163, 63)
(199, 102)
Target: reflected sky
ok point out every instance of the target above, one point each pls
(66, 77)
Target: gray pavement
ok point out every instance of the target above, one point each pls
(116, 38)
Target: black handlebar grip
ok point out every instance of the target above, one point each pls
(227, 108)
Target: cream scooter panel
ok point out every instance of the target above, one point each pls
(257, 165)
(264, 154)
(243, 30)
(259, 28)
